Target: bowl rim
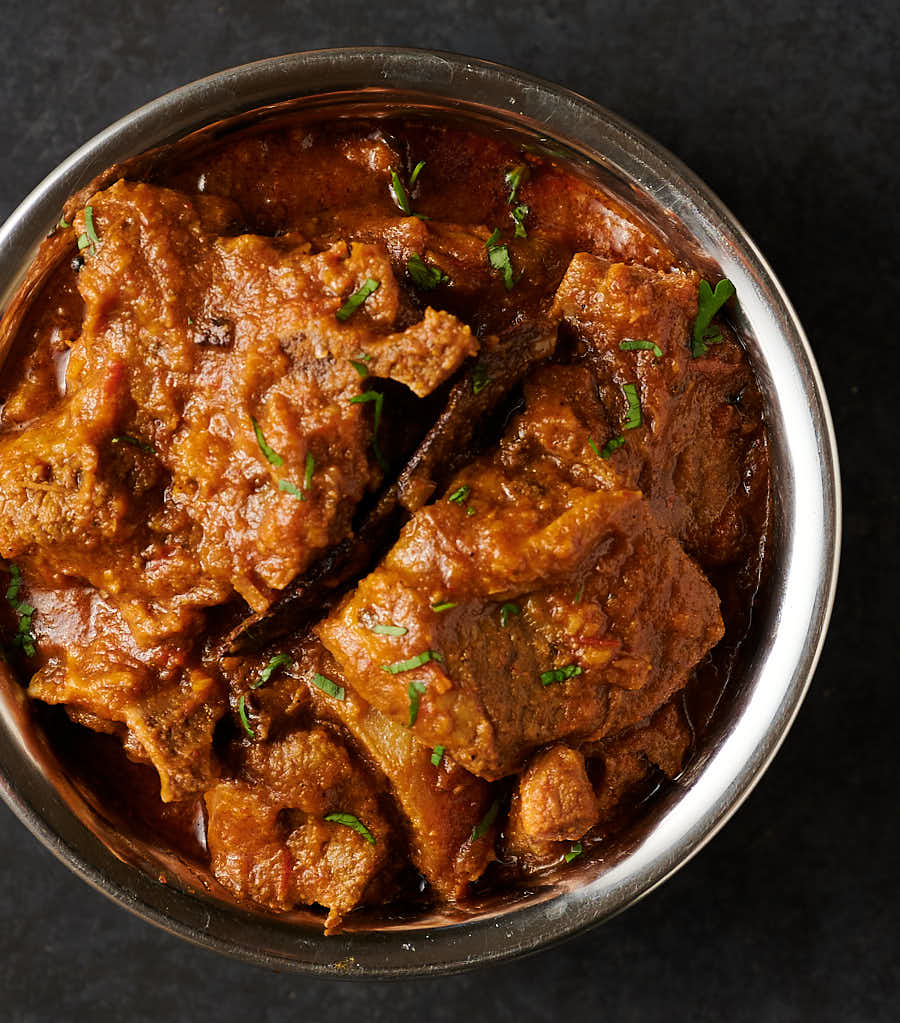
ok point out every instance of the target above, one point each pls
(728, 774)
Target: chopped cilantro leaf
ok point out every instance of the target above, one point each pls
(519, 213)
(445, 606)
(412, 662)
(398, 194)
(357, 298)
(594, 447)
(498, 256)
(417, 170)
(291, 488)
(480, 378)
(390, 630)
(15, 584)
(278, 661)
(425, 277)
(310, 469)
(360, 368)
(437, 755)
(414, 691)
(327, 686)
(242, 714)
(484, 825)
(574, 852)
(63, 222)
(507, 610)
(613, 444)
(560, 674)
(89, 225)
(709, 302)
(271, 455)
(579, 592)
(460, 494)
(134, 442)
(633, 419)
(641, 346)
(514, 179)
(349, 821)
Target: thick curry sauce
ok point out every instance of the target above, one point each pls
(379, 488)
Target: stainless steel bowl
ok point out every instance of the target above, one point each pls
(790, 619)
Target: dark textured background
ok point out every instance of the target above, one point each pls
(790, 112)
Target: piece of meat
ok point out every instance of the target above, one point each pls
(629, 760)
(553, 804)
(441, 803)
(162, 709)
(187, 338)
(609, 615)
(698, 452)
(502, 364)
(270, 841)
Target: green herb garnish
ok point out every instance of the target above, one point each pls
(242, 714)
(327, 686)
(278, 661)
(574, 852)
(519, 213)
(412, 662)
(470, 510)
(437, 755)
(709, 302)
(594, 447)
(24, 636)
(447, 604)
(415, 691)
(484, 825)
(480, 378)
(498, 256)
(398, 193)
(360, 368)
(378, 398)
(514, 179)
(310, 469)
(357, 298)
(459, 496)
(560, 674)
(580, 592)
(641, 346)
(390, 630)
(291, 488)
(417, 170)
(271, 455)
(633, 419)
(134, 442)
(63, 222)
(507, 610)
(89, 225)
(15, 584)
(425, 277)
(349, 821)
(611, 445)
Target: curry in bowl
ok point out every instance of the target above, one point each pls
(384, 504)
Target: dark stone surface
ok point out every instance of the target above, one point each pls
(790, 112)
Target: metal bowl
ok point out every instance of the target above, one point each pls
(792, 611)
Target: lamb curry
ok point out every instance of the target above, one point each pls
(371, 496)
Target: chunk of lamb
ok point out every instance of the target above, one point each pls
(572, 614)
(553, 805)
(269, 837)
(163, 708)
(697, 451)
(441, 803)
(189, 336)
